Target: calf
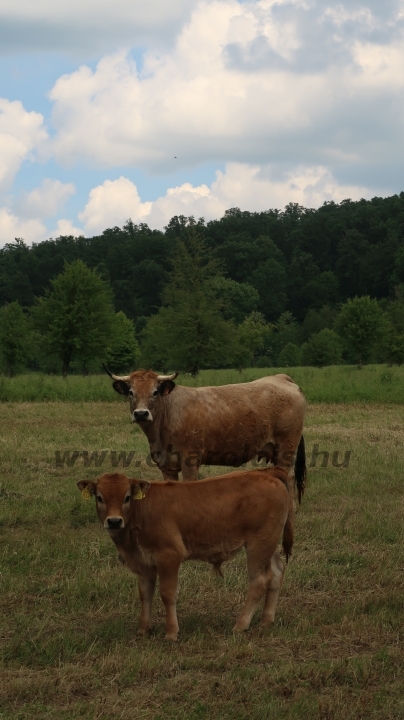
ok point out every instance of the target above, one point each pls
(156, 526)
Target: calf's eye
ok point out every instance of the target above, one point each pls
(99, 499)
(127, 499)
(155, 392)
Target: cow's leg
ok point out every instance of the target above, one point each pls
(147, 586)
(169, 474)
(273, 589)
(168, 567)
(190, 472)
(259, 577)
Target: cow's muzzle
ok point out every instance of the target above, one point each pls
(142, 416)
(114, 523)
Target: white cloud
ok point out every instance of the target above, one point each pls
(65, 227)
(247, 83)
(12, 227)
(21, 132)
(112, 203)
(85, 26)
(46, 200)
(249, 187)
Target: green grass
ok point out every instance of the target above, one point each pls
(69, 611)
(339, 383)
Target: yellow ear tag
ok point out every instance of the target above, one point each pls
(85, 494)
(139, 495)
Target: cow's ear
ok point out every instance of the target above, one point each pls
(166, 387)
(121, 387)
(87, 488)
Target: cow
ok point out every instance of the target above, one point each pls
(158, 525)
(224, 425)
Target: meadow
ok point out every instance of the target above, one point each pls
(338, 383)
(68, 639)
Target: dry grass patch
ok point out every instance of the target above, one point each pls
(70, 611)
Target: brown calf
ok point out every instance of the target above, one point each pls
(156, 526)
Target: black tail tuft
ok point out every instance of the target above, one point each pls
(287, 540)
(300, 469)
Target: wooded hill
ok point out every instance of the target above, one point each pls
(265, 288)
(296, 260)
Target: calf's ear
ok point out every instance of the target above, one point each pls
(87, 488)
(166, 387)
(143, 485)
(121, 387)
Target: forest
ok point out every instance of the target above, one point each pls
(273, 288)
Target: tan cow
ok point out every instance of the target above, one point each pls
(156, 526)
(224, 425)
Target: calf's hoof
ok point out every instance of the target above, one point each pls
(173, 636)
(142, 632)
(239, 628)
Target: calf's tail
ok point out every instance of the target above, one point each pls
(300, 469)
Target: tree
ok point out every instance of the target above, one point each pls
(323, 348)
(189, 331)
(250, 338)
(286, 330)
(289, 356)
(317, 320)
(14, 332)
(392, 350)
(124, 352)
(360, 324)
(75, 318)
(238, 299)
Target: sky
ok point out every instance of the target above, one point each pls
(145, 110)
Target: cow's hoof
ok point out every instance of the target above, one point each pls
(172, 636)
(142, 632)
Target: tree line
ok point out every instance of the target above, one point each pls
(301, 286)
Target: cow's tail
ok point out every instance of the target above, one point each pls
(287, 539)
(300, 469)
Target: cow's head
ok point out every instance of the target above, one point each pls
(145, 389)
(113, 494)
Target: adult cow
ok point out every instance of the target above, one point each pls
(225, 425)
(157, 526)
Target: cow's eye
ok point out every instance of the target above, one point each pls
(131, 392)
(155, 392)
(100, 499)
(127, 499)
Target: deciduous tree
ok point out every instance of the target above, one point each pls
(75, 318)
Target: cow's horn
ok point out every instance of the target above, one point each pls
(125, 378)
(161, 378)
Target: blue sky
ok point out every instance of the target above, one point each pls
(110, 111)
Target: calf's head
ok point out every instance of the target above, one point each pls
(113, 494)
(145, 390)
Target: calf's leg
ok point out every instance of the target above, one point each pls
(168, 568)
(273, 589)
(147, 586)
(259, 577)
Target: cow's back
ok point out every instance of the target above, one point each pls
(229, 418)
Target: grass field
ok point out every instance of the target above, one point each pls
(339, 383)
(70, 611)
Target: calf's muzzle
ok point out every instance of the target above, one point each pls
(114, 523)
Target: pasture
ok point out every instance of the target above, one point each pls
(338, 383)
(70, 612)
